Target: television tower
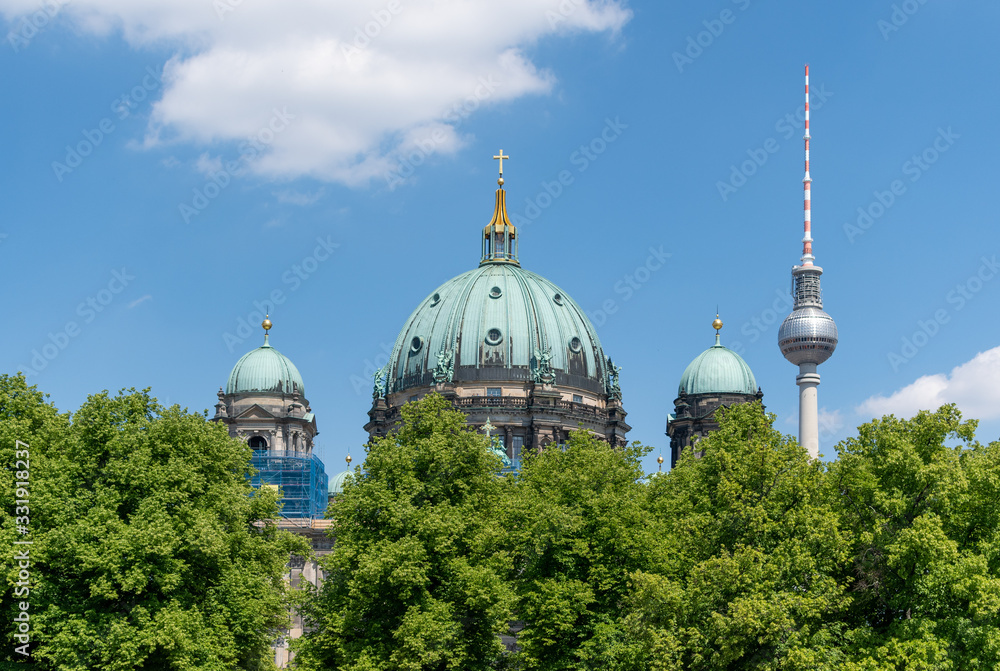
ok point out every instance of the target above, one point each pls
(808, 336)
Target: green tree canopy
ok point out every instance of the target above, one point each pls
(414, 580)
(754, 548)
(149, 550)
(921, 506)
(577, 527)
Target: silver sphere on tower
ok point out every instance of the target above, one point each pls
(808, 335)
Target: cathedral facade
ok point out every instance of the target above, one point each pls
(509, 348)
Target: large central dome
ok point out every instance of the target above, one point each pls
(510, 349)
(497, 322)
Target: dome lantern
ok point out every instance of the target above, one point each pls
(500, 236)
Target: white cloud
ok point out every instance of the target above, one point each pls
(974, 386)
(369, 82)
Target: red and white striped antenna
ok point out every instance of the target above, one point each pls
(807, 255)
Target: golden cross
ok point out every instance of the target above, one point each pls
(500, 158)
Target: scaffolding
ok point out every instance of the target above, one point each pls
(300, 477)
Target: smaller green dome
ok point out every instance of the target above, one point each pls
(265, 370)
(337, 482)
(718, 370)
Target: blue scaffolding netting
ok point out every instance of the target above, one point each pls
(301, 478)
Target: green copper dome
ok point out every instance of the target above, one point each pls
(265, 370)
(497, 322)
(718, 370)
(337, 482)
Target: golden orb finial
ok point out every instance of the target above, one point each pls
(500, 181)
(266, 323)
(348, 460)
(717, 324)
(659, 459)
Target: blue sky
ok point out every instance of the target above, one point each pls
(169, 164)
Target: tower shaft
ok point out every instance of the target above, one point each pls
(808, 336)
(808, 380)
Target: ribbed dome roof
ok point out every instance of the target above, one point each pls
(265, 369)
(498, 322)
(718, 370)
(337, 482)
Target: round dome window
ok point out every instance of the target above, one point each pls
(416, 344)
(558, 299)
(435, 299)
(575, 344)
(494, 337)
(495, 292)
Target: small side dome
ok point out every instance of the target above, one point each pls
(265, 370)
(718, 370)
(337, 482)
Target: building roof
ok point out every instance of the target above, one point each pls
(264, 370)
(502, 318)
(337, 482)
(717, 370)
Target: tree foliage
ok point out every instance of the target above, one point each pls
(921, 505)
(577, 526)
(755, 546)
(751, 556)
(416, 577)
(149, 551)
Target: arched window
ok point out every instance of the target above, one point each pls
(257, 443)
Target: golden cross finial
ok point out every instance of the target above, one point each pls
(500, 158)
(487, 427)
